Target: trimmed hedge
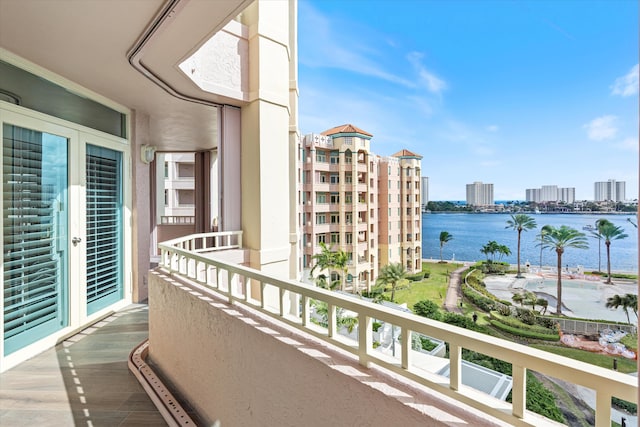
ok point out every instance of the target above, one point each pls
(523, 332)
(515, 323)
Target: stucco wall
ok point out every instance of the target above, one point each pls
(238, 367)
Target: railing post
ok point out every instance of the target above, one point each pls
(230, 278)
(281, 298)
(519, 390)
(332, 321)
(406, 347)
(305, 315)
(262, 285)
(365, 338)
(455, 366)
(603, 409)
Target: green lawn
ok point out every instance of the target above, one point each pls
(624, 365)
(433, 288)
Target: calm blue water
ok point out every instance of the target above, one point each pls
(472, 231)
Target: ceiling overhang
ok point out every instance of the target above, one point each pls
(129, 52)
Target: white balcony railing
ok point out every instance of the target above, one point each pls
(185, 257)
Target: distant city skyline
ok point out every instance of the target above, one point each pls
(519, 94)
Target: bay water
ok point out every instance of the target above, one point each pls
(471, 231)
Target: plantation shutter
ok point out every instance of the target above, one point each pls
(34, 181)
(104, 228)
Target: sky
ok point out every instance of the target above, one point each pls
(519, 94)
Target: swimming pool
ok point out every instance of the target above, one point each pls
(584, 298)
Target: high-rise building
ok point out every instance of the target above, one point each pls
(363, 204)
(551, 193)
(424, 195)
(479, 194)
(611, 190)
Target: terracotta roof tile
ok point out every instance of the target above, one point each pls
(348, 128)
(406, 153)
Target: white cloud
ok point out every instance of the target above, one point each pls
(626, 85)
(433, 83)
(602, 128)
(332, 46)
(492, 128)
(630, 144)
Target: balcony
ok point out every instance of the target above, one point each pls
(206, 313)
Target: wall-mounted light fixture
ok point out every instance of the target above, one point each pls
(147, 153)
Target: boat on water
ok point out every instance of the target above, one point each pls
(588, 227)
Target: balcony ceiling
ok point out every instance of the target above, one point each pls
(88, 43)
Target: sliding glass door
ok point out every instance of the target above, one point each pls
(35, 231)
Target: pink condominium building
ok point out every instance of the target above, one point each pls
(361, 203)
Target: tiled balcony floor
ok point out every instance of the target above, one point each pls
(83, 381)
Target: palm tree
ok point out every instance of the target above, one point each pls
(329, 260)
(544, 230)
(490, 250)
(518, 298)
(520, 222)
(391, 275)
(445, 237)
(503, 250)
(559, 239)
(542, 302)
(620, 301)
(610, 232)
(598, 235)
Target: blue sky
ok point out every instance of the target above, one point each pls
(515, 93)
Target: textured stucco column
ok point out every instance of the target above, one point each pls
(142, 214)
(266, 120)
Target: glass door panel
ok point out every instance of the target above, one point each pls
(104, 203)
(35, 252)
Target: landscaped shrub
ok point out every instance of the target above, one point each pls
(376, 326)
(504, 310)
(415, 277)
(428, 309)
(461, 321)
(630, 407)
(526, 316)
(542, 401)
(516, 323)
(524, 332)
(482, 302)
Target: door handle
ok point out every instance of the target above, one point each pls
(76, 240)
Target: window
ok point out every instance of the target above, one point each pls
(390, 225)
(166, 197)
(348, 178)
(348, 237)
(389, 198)
(389, 239)
(322, 178)
(186, 197)
(166, 169)
(348, 217)
(334, 158)
(389, 211)
(186, 170)
(335, 237)
(321, 238)
(321, 197)
(334, 198)
(321, 156)
(334, 178)
(348, 198)
(334, 218)
(348, 140)
(321, 218)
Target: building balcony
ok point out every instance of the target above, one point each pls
(194, 294)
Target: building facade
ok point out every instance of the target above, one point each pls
(551, 193)
(479, 194)
(360, 203)
(610, 190)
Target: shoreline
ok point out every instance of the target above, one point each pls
(548, 269)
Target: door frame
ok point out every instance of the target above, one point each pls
(78, 136)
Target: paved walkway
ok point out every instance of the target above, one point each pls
(454, 291)
(83, 381)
